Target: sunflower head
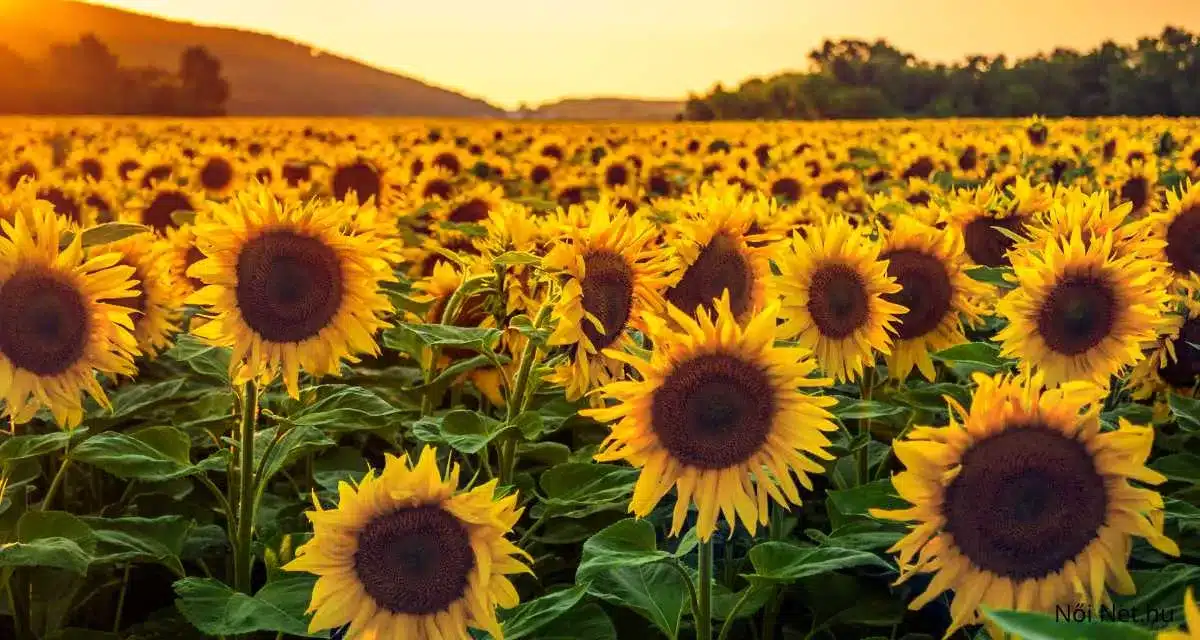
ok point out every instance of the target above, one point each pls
(288, 286)
(611, 280)
(929, 265)
(407, 554)
(1178, 226)
(159, 303)
(989, 493)
(714, 253)
(833, 284)
(718, 415)
(1081, 312)
(62, 318)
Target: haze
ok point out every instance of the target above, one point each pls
(536, 51)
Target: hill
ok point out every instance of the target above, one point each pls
(270, 76)
(608, 109)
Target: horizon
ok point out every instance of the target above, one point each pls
(715, 42)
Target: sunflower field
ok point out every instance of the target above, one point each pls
(432, 380)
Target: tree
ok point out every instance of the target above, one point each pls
(860, 79)
(202, 90)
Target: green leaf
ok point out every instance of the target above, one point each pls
(656, 591)
(932, 397)
(528, 617)
(994, 276)
(59, 553)
(628, 543)
(530, 424)
(861, 409)
(337, 408)
(724, 600)
(1186, 411)
(296, 443)
(1182, 467)
(1161, 589)
(16, 448)
(981, 356)
(413, 338)
(216, 609)
(210, 362)
(585, 622)
(1040, 626)
(50, 539)
(511, 258)
(464, 430)
(340, 465)
(105, 233)
(573, 485)
(879, 494)
(154, 454)
(783, 562)
(130, 539)
(134, 399)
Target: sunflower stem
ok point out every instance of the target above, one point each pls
(56, 483)
(864, 428)
(243, 545)
(728, 625)
(704, 580)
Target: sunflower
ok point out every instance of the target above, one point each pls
(1094, 216)
(288, 287)
(718, 415)
(433, 184)
(1191, 615)
(975, 215)
(1081, 313)
(833, 284)
(216, 172)
(156, 207)
(60, 323)
(613, 278)
(1174, 362)
(474, 205)
(1136, 183)
(1025, 504)
(407, 554)
(363, 178)
(714, 253)
(159, 302)
(1178, 226)
(928, 265)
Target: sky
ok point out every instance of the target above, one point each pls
(536, 51)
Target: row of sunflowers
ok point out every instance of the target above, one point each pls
(423, 379)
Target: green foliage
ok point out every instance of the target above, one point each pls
(858, 79)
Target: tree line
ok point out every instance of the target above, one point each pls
(87, 78)
(859, 79)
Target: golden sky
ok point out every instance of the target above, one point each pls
(508, 51)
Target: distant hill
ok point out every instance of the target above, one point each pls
(608, 109)
(270, 76)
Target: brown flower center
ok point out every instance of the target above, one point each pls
(44, 322)
(1027, 501)
(714, 411)
(838, 301)
(415, 560)
(289, 286)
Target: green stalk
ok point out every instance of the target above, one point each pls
(517, 400)
(121, 600)
(243, 560)
(728, 625)
(864, 428)
(56, 483)
(704, 567)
